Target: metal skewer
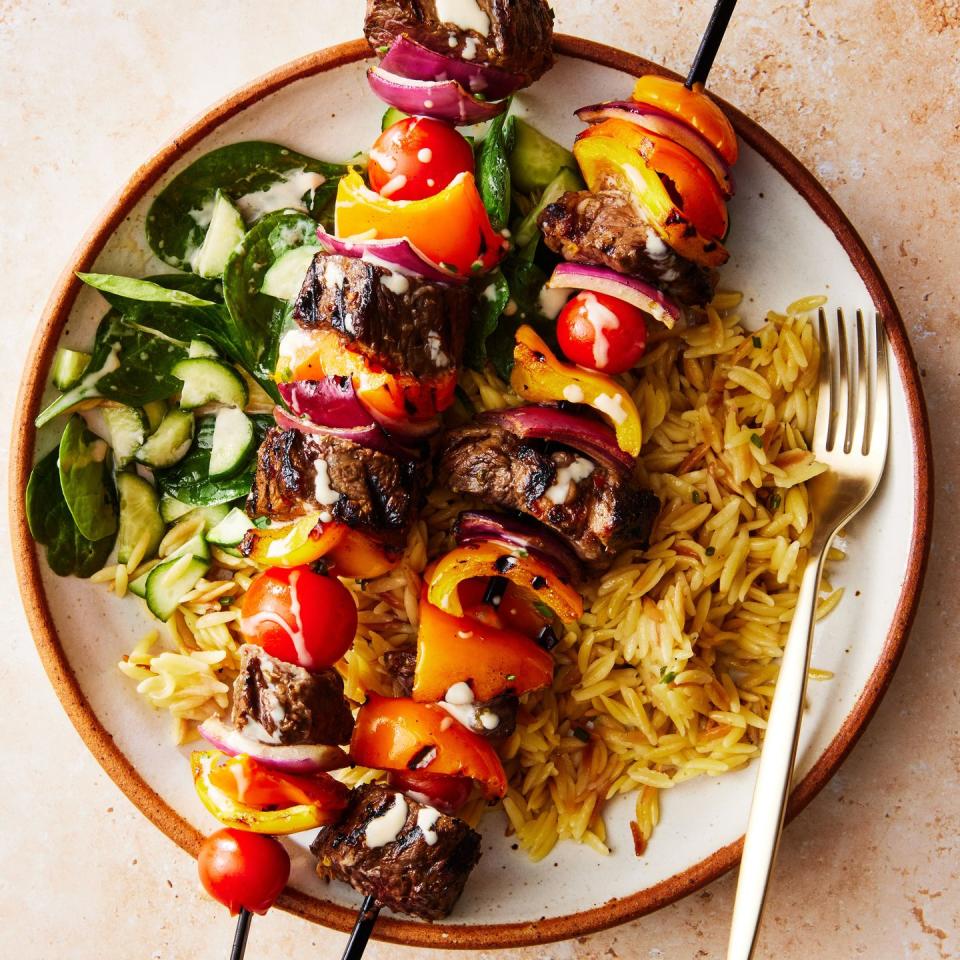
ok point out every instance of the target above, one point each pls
(710, 43)
(241, 934)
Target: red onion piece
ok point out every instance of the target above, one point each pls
(473, 526)
(306, 758)
(667, 125)
(407, 58)
(597, 279)
(590, 437)
(406, 429)
(398, 255)
(441, 99)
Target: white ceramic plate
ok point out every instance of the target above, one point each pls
(788, 240)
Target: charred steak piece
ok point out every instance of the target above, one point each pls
(607, 229)
(281, 703)
(598, 511)
(409, 856)
(519, 37)
(401, 664)
(403, 324)
(299, 473)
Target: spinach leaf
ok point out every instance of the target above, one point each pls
(51, 524)
(260, 176)
(128, 288)
(202, 287)
(485, 315)
(493, 169)
(189, 480)
(85, 480)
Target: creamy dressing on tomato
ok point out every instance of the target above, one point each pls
(602, 319)
(425, 155)
(251, 625)
(386, 828)
(394, 183)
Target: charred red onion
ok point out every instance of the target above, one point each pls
(581, 276)
(590, 437)
(442, 99)
(474, 526)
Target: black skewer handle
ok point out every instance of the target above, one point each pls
(710, 43)
(241, 934)
(362, 929)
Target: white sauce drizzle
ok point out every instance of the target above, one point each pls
(333, 275)
(293, 341)
(465, 14)
(458, 702)
(254, 730)
(396, 283)
(395, 183)
(384, 160)
(490, 292)
(580, 469)
(656, 248)
(251, 625)
(435, 349)
(386, 828)
(325, 494)
(601, 319)
(427, 818)
(285, 194)
(612, 406)
(424, 154)
(573, 393)
(489, 720)
(551, 301)
(431, 182)
(469, 49)
(428, 104)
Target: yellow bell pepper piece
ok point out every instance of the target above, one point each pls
(295, 544)
(538, 377)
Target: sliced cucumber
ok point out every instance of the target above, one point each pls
(392, 116)
(285, 278)
(231, 530)
(138, 587)
(128, 431)
(232, 443)
(169, 582)
(565, 180)
(536, 159)
(226, 230)
(200, 348)
(68, 367)
(139, 514)
(209, 381)
(154, 411)
(171, 441)
(172, 510)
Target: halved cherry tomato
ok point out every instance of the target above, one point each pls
(538, 376)
(316, 354)
(416, 158)
(293, 545)
(451, 228)
(357, 555)
(447, 794)
(299, 616)
(241, 869)
(693, 107)
(517, 610)
(602, 332)
(397, 733)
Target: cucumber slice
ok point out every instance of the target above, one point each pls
(200, 348)
(154, 411)
(392, 116)
(172, 510)
(231, 530)
(138, 587)
(169, 582)
(536, 159)
(285, 278)
(171, 441)
(232, 443)
(128, 431)
(209, 381)
(139, 512)
(226, 230)
(196, 547)
(565, 180)
(68, 367)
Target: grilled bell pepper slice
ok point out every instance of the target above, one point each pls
(357, 555)
(489, 559)
(622, 152)
(538, 376)
(517, 611)
(460, 649)
(316, 354)
(451, 228)
(238, 791)
(397, 733)
(693, 107)
(294, 544)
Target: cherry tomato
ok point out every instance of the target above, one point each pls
(416, 158)
(299, 616)
(447, 794)
(241, 869)
(601, 332)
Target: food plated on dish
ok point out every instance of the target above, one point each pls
(661, 493)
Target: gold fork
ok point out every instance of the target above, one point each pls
(850, 436)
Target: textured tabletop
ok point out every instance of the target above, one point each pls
(865, 94)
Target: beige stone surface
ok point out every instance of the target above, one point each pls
(865, 93)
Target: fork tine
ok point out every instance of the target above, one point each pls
(843, 410)
(823, 427)
(860, 414)
(880, 420)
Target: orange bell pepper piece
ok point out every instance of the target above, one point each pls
(538, 376)
(357, 555)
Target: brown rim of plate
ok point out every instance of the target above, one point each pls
(455, 936)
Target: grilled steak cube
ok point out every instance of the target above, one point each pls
(403, 324)
(410, 857)
(401, 664)
(300, 473)
(597, 510)
(278, 702)
(608, 229)
(519, 38)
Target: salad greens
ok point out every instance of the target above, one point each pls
(85, 480)
(493, 169)
(144, 291)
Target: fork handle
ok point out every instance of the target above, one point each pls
(775, 770)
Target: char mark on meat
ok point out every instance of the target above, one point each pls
(403, 324)
(379, 493)
(599, 514)
(520, 38)
(282, 703)
(608, 229)
(406, 874)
